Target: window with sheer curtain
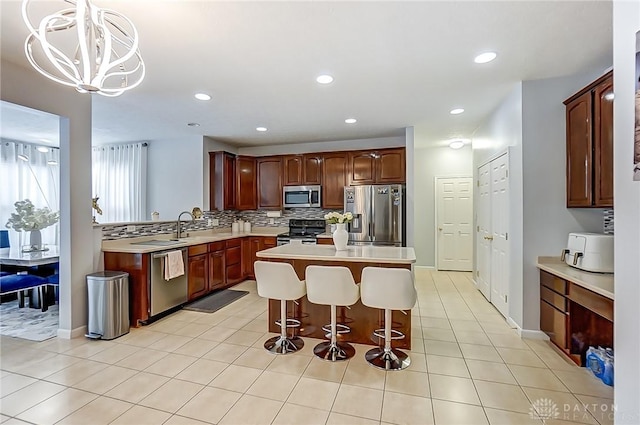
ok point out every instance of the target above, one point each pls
(29, 172)
(119, 174)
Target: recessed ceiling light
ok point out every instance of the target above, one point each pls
(485, 57)
(193, 124)
(52, 162)
(261, 128)
(202, 96)
(350, 120)
(456, 111)
(456, 144)
(23, 157)
(324, 79)
(42, 149)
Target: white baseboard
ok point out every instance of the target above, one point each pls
(527, 333)
(74, 333)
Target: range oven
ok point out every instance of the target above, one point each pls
(301, 196)
(302, 231)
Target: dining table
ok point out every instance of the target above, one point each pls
(19, 258)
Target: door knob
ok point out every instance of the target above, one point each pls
(440, 228)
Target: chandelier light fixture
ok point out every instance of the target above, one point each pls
(92, 49)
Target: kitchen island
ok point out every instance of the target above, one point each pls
(361, 319)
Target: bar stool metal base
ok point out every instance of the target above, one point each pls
(387, 359)
(334, 352)
(279, 345)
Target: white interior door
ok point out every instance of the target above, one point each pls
(499, 282)
(454, 200)
(483, 243)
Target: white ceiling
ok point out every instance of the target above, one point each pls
(395, 64)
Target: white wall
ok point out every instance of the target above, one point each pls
(546, 219)
(175, 176)
(338, 145)
(626, 21)
(28, 88)
(429, 163)
(502, 131)
(410, 189)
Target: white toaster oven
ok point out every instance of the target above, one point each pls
(592, 252)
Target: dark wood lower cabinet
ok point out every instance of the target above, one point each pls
(574, 317)
(198, 276)
(324, 241)
(138, 267)
(216, 270)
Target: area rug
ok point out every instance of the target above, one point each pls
(215, 301)
(28, 323)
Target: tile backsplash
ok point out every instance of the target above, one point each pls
(225, 218)
(608, 222)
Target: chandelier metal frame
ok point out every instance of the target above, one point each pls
(106, 59)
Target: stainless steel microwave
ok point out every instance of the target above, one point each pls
(301, 196)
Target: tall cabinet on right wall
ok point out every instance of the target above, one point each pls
(589, 115)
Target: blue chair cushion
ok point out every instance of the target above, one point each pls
(16, 282)
(54, 279)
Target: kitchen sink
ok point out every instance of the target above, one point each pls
(160, 242)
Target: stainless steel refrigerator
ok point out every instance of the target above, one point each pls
(379, 213)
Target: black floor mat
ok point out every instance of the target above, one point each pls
(215, 301)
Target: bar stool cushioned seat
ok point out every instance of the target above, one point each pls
(388, 289)
(333, 286)
(279, 281)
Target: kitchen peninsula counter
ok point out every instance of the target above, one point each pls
(600, 283)
(361, 319)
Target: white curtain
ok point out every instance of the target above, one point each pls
(28, 173)
(120, 181)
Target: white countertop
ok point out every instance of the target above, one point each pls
(600, 283)
(127, 245)
(368, 254)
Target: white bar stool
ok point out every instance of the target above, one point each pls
(279, 281)
(388, 289)
(333, 286)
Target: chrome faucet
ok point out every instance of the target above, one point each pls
(178, 231)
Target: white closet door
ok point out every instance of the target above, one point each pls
(483, 275)
(499, 234)
(454, 200)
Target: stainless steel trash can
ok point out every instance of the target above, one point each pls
(108, 304)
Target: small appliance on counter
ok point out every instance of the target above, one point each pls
(592, 252)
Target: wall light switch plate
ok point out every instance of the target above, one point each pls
(131, 228)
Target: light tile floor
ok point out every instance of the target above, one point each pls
(468, 367)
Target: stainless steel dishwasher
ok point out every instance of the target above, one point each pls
(166, 294)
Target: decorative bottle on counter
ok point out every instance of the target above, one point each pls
(340, 237)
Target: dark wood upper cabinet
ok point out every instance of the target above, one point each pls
(334, 179)
(246, 183)
(391, 166)
(302, 170)
(589, 134)
(270, 182)
(603, 143)
(312, 169)
(222, 181)
(292, 165)
(362, 167)
(377, 166)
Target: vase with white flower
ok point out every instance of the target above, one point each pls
(340, 235)
(28, 218)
